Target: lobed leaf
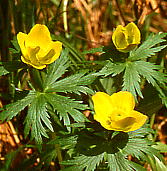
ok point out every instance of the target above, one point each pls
(131, 80)
(65, 107)
(74, 83)
(98, 152)
(147, 49)
(57, 69)
(14, 108)
(36, 116)
(88, 162)
(112, 69)
(150, 73)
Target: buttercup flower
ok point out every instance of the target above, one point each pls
(126, 38)
(116, 112)
(37, 47)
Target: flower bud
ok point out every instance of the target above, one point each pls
(126, 38)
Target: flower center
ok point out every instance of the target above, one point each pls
(120, 120)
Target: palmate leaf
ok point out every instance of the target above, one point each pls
(112, 69)
(36, 116)
(65, 107)
(96, 151)
(14, 108)
(150, 73)
(148, 48)
(120, 163)
(131, 80)
(137, 69)
(81, 162)
(134, 68)
(55, 81)
(74, 83)
(57, 69)
(133, 72)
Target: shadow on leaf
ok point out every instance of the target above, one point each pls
(92, 145)
(110, 52)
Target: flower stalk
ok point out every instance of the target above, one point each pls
(36, 79)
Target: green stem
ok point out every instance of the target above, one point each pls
(36, 79)
(58, 150)
(152, 120)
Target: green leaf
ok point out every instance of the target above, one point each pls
(74, 83)
(14, 108)
(151, 103)
(36, 116)
(147, 49)
(111, 151)
(136, 166)
(57, 69)
(15, 44)
(131, 80)
(65, 107)
(157, 164)
(3, 71)
(120, 163)
(65, 142)
(112, 69)
(137, 69)
(150, 73)
(81, 162)
(161, 147)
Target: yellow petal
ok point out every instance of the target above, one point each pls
(140, 120)
(127, 124)
(25, 60)
(30, 57)
(47, 58)
(57, 47)
(133, 33)
(32, 53)
(40, 66)
(53, 52)
(21, 37)
(124, 124)
(39, 36)
(33, 61)
(123, 100)
(102, 106)
(119, 37)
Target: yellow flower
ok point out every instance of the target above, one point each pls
(116, 112)
(37, 47)
(126, 38)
